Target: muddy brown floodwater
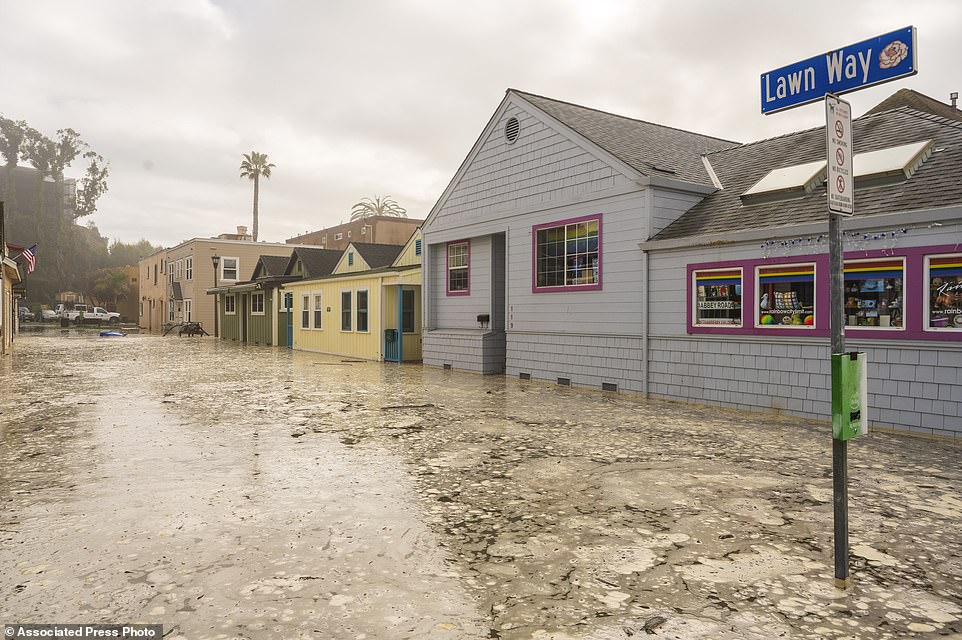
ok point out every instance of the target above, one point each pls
(246, 492)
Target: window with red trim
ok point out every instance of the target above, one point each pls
(458, 267)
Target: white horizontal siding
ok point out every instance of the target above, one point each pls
(614, 309)
(461, 312)
(542, 167)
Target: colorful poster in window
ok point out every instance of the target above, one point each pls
(944, 280)
(874, 295)
(718, 298)
(786, 296)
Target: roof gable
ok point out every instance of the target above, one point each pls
(351, 261)
(270, 266)
(315, 262)
(411, 253)
(564, 152)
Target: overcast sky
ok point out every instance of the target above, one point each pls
(355, 99)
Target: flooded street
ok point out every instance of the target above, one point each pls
(243, 492)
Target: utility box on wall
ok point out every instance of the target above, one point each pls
(849, 395)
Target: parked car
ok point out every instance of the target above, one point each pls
(26, 315)
(48, 315)
(82, 313)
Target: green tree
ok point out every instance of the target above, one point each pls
(40, 209)
(112, 285)
(12, 133)
(124, 254)
(377, 207)
(92, 185)
(253, 166)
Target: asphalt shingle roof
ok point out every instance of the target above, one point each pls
(937, 183)
(378, 255)
(317, 262)
(651, 149)
(919, 102)
(271, 266)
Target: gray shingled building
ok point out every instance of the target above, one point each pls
(586, 248)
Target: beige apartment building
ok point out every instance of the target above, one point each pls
(174, 282)
(372, 230)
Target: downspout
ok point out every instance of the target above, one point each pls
(644, 320)
(650, 205)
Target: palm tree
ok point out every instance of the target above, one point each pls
(253, 166)
(377, 207)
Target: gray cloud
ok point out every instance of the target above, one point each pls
(356, 99)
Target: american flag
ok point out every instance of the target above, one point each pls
(31, 257)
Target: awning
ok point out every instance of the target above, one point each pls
(178, 294)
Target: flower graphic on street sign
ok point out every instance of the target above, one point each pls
(893, 54)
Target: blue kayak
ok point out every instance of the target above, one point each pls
(112, 334)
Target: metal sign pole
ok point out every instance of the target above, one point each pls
(840, 188)
(839, 447)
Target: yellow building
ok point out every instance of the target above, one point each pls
(369, 307)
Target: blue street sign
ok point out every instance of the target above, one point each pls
(856, 66)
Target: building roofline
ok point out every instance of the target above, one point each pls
(622, 116)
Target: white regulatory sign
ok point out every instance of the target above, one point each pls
(838, 135)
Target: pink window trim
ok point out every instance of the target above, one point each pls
(534, 256)
(447, 270)
(912, 313)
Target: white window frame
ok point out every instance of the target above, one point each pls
(188, 268)
(317, 306)
(466, 267)
(927, 295)
(756, 317)
(188, 309)
(338, 236)
(845, 295)
(260, 296)
(350, 310)
(305, 309)
(367, 310)
(230, 304)
(694, 298)
(141, 308)
(223, 268)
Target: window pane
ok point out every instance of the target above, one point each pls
(318, 312)
(873, 293)
(458, 280)
(567, 255)
(718, 298)
(305, 313)
(945, 292)
(362, 310)
(786, 296)
(407, 311)
(345, 311)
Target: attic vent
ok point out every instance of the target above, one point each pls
(511, 129)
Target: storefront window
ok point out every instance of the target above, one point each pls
(874, 294)
(944, 288)
(717, 297)
(785, 296)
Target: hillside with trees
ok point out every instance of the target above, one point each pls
(45, 206)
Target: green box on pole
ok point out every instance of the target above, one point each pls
(849, 395)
